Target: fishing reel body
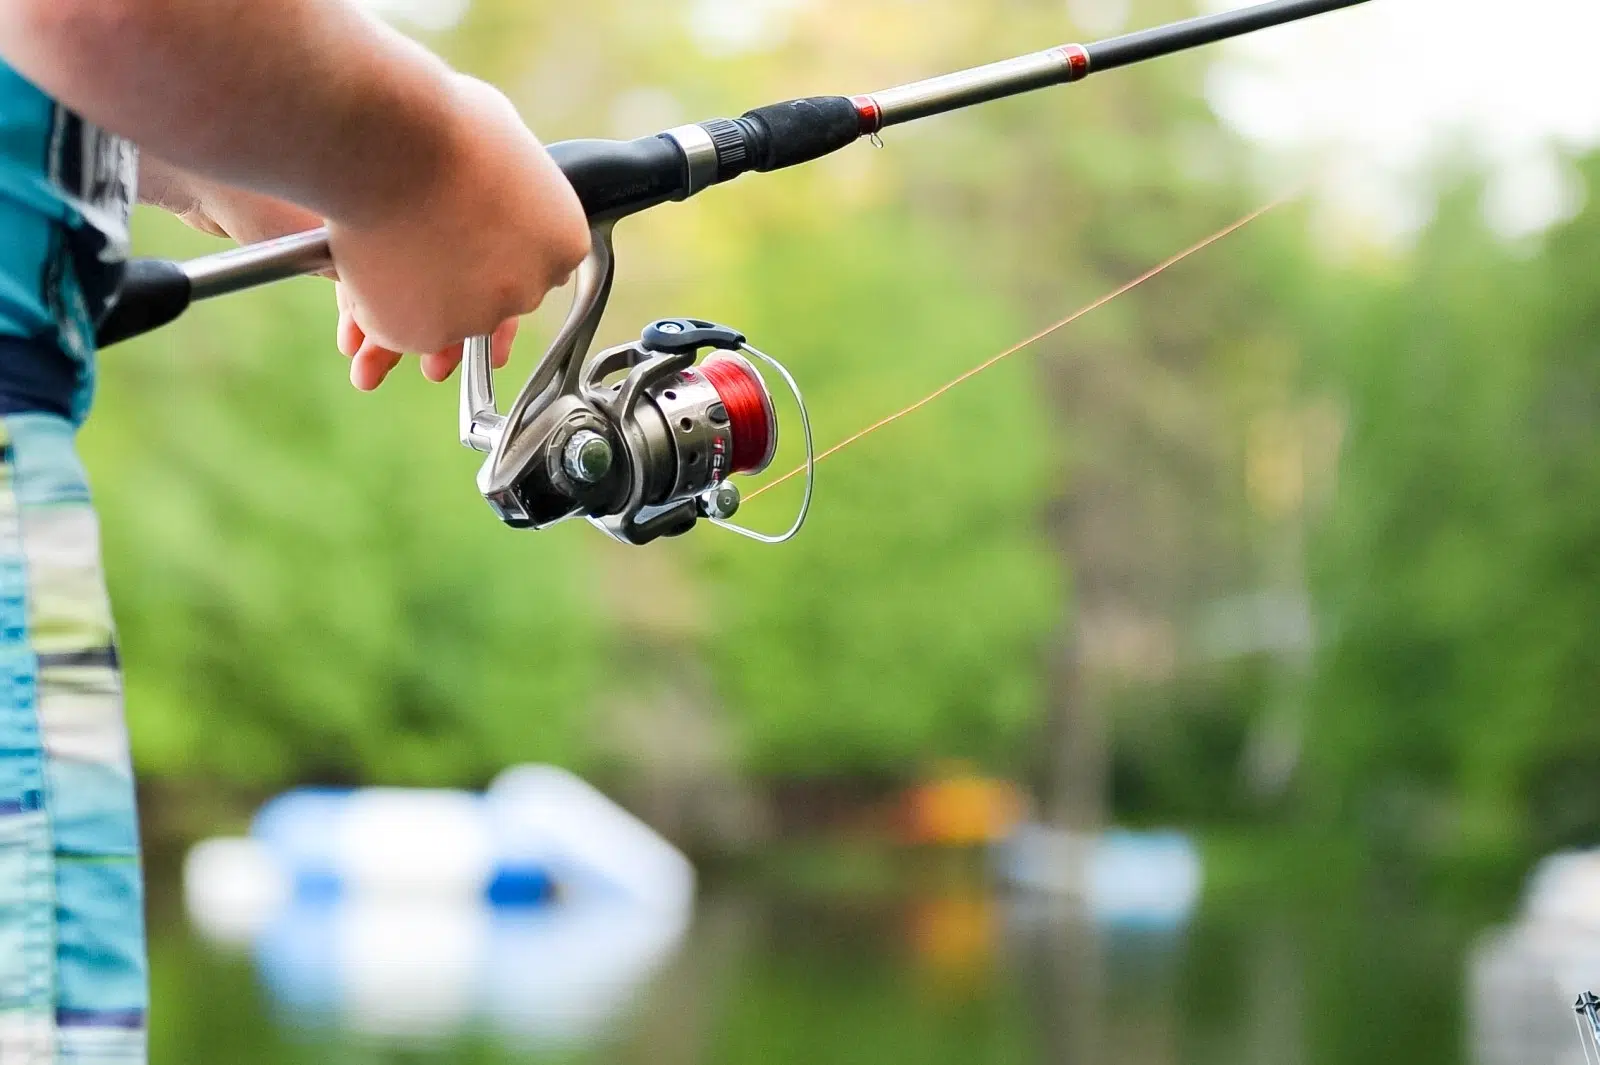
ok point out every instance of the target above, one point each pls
(641, 439)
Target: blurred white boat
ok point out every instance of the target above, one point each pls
(1523, 978)
(1146, 880)
(539, 908)
(1564, 890)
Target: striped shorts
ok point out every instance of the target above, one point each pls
(73, 985)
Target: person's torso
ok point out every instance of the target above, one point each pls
(66, 191)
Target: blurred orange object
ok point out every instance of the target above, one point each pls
(962, 809)
(954, 937)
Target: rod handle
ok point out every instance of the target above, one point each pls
(153, 293)
(798, 131)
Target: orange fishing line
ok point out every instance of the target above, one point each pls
(1006, 354)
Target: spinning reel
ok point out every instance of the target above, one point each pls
(639, 439)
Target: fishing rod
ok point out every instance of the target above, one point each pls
(642, 439)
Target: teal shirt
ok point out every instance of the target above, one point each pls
(66, 191)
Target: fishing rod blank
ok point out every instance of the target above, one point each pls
(1208, 29)
(615, 179)
(1074, 62)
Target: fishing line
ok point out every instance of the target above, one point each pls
(1117, 293)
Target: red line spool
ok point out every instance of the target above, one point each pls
(751, 421)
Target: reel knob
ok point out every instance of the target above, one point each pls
(720, 502)
(588, 457)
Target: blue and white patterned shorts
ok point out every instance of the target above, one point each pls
(73, 985)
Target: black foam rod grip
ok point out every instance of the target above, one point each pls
(153, 293)
(798, 131)
(618, 178)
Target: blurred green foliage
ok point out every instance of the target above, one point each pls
(1404, 443)
(1456, 572)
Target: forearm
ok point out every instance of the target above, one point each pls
(308, 100)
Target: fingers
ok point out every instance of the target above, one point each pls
(348, 336)
(371, 363)
(504, 337)
(438, 366)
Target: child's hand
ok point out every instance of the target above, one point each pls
(490, 226)
(247, 217)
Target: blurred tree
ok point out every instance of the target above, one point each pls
(1455, 574)
(1145, 506)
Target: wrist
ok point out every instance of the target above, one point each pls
(165, 186)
